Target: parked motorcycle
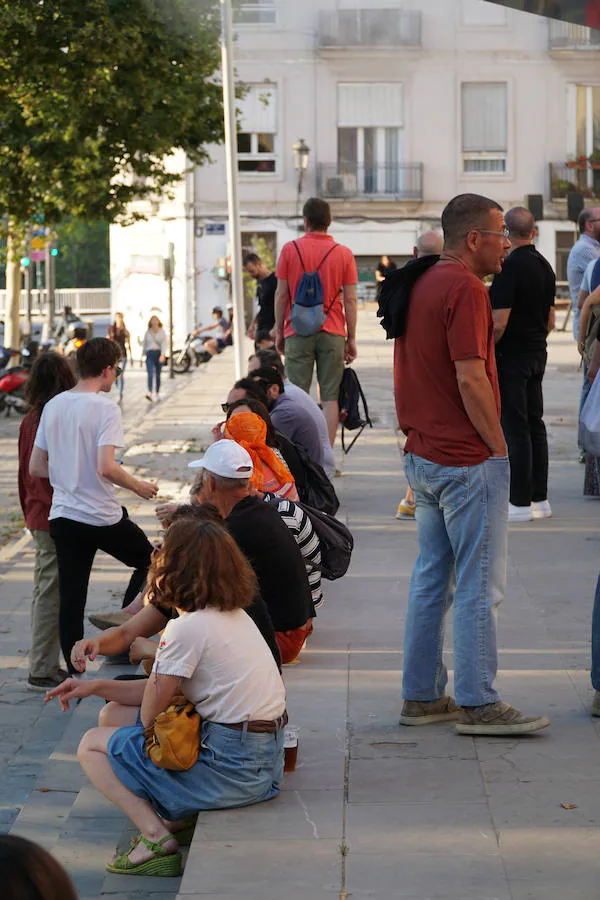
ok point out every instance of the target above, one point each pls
(12, 385)
(193, 352)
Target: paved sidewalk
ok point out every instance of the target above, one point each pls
(373, 810)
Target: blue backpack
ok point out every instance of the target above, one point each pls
(308, 315)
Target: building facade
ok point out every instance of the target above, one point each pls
(402, 107)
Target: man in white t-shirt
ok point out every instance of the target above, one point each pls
(74, 447)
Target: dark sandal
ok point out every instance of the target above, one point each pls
(185, 835)
(164, 863)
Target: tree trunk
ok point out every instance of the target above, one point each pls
(12, 331)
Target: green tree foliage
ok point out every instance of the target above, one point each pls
(84, 259)
(95, 96)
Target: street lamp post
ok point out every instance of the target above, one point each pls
(301, 153)
(237, 287)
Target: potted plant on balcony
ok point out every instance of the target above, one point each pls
(594, 159)
(561, 187)
(577, 162)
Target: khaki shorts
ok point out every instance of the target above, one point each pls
(322, 348)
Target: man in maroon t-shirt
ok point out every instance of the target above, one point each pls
(456, 462)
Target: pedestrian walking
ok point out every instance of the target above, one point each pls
(335, 341)
(585, 249)
(523, 296)
(50, 375)
(118, 333)
(266, 285)
(78, 433)
(456, 462)
(384, 267)
(154, 348)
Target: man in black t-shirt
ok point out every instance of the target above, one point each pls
(266, 285)
(263, 537)
(523, 297)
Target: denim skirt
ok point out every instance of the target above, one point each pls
(234, 768)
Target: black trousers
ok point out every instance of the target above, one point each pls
(521, 379)
(76, 547)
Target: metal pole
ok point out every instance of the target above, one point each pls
(237, 286)
(28, 326)
(27, 285)
(49, 266)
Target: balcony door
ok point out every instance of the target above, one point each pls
(584, 132)
(372, 156)
(370, 137)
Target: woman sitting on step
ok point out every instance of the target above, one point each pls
(215, 656)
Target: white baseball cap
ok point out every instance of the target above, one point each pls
(225, 458)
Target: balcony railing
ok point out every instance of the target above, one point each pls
(83, 301)
(566, 36)
(403, 181)
(254, 12)
(579, 175)
(369, 28)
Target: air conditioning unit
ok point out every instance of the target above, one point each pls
(335, 186)
(340, 185)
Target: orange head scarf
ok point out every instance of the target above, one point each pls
(250, 432)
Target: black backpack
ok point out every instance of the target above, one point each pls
(317, 490)
(336, 542)
(350, 396)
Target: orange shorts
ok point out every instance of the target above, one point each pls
(290, 643)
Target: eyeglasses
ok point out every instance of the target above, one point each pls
(225, 407)
(118, 371)
(505, 233)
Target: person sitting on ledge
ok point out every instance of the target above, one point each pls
(214, 655)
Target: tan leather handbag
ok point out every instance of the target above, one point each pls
(173, 740)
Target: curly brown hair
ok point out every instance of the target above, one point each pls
(200, 565)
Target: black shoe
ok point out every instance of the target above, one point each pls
(46, 684)
(118, 659)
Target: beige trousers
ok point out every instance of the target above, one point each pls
(45, 645)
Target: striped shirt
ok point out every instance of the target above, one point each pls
(307, 540)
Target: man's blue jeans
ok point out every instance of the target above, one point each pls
(596, 639)
(462, 521)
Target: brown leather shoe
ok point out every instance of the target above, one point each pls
(497, 719)
(417, 712)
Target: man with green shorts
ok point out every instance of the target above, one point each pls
(335, 343)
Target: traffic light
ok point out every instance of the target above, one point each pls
(25, 262)
(54, 251)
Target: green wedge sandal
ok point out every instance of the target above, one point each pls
(164, 864)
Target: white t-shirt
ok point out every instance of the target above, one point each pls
(72, 428)
(228, 671)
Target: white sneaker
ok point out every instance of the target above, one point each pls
(541, 510)
(519, 513)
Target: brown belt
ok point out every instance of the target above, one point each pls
(259, 726)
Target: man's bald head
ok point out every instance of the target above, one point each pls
(430, 243)
(520, 222)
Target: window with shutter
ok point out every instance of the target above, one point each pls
(370, 119)
(257, 135)
(484, 127)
